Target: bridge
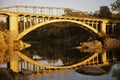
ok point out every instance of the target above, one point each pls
(22, 62)
(24, 19)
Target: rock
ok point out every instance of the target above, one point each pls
(7, 74)
(90, 45)
(93, 50)
(93, 46)
(26, 72)
(91, 71)
(112, 42)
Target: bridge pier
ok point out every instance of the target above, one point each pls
(104, 57)
(13, 25)
(113, 28)
(14, 62)
(103, 26)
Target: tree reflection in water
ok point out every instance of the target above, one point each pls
(69, 56)
(52, 54)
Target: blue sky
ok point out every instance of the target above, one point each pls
(82, 5)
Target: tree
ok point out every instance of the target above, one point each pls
(116, 6)
(96, 13)
(104, 12)
(3, 25)
(68, 12)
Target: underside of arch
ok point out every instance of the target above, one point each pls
(84, 26)
(3, 13)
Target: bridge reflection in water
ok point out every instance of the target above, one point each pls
(19, 61)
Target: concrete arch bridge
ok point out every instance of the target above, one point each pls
(24, 19)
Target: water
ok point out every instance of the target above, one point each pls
(68, 56)
(65, 56)
(72, 75)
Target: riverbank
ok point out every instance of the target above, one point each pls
(111, 42)
(95, 44)
(7, 74)
(95, 71)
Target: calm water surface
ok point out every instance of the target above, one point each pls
(65, 56)
(52, 55)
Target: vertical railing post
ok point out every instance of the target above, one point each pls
(31, 66)
(25, 67)
(24, 26)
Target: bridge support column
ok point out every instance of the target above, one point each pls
(104, 57)
(14, 63)
(96, 26)
(103, 27)
(113, 27)
(13, 28)
(13, 25)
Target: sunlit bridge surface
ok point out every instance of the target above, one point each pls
(24, 19)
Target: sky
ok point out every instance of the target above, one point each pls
(82, 5)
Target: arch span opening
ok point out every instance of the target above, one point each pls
(83, 25)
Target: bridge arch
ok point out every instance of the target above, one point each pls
(83, 25)
(4, 13)
(27, 59)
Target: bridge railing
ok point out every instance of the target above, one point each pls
(59, 11)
